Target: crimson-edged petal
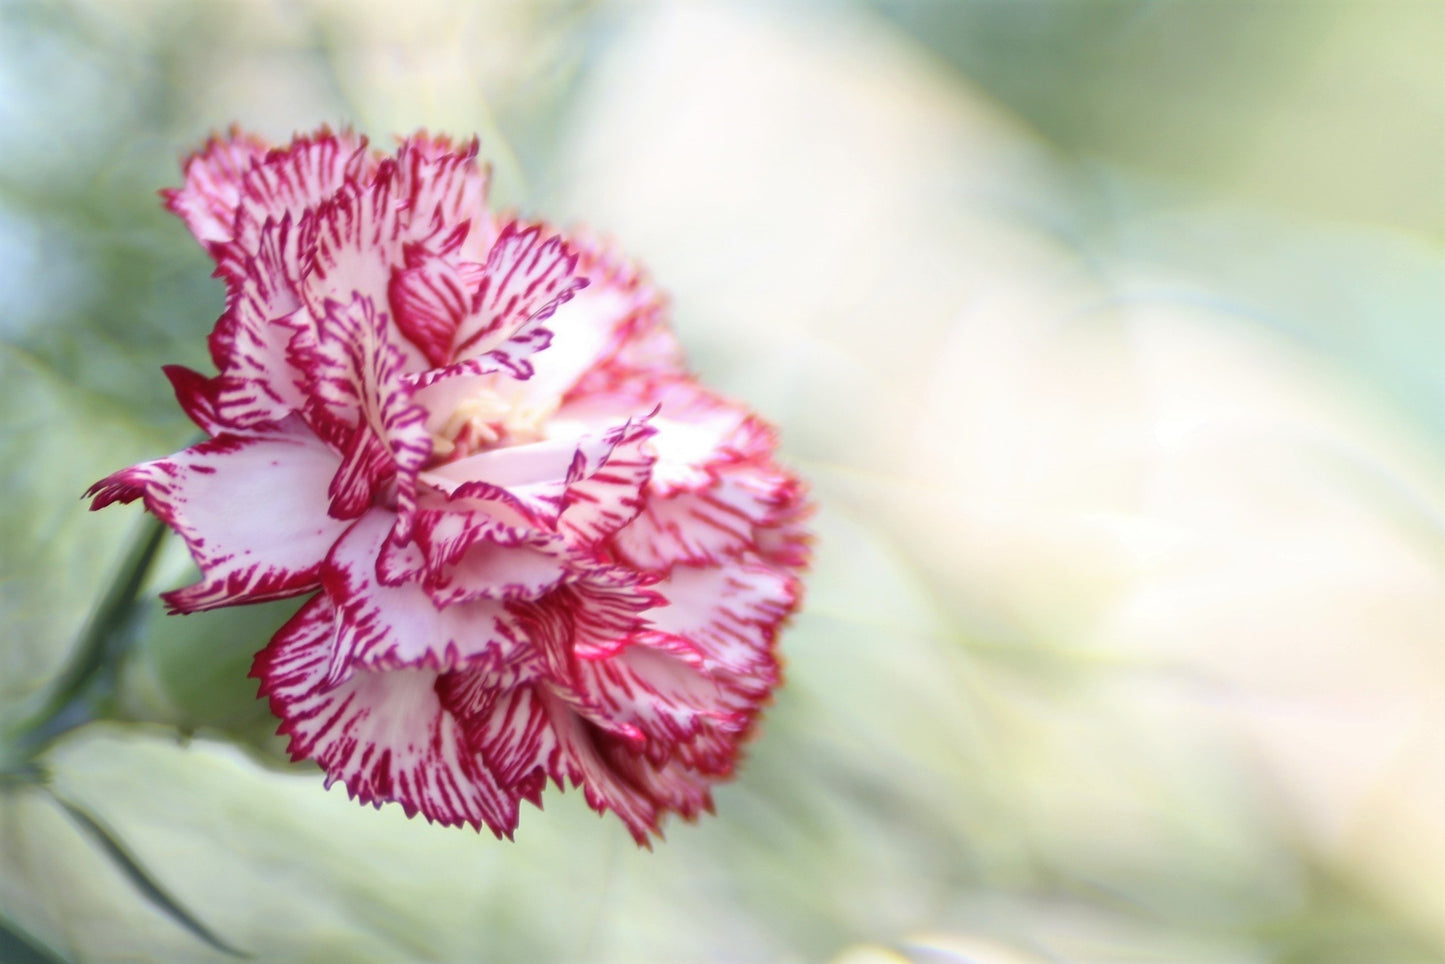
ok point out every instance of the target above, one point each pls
(294, 179)
(354, 369)
(615, 324)
(430, 295)
(605, 488)
(528, 275)
(444, 191)
(387, 627)
(384, 735)
(585, 486)
(348, 246)
(728, 519)
(211, 194)
(507, 725)
(614, 778)
(256, 340)
(252, 510)
(724, 617)
(653, 700)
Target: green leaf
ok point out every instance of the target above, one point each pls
(19, 947)
(112, 846)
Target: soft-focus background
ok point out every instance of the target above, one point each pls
(1110, 335)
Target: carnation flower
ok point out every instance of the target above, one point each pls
(536, 548)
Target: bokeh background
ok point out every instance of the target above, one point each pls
(1109, 334)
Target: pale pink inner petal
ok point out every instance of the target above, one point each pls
(393, 626)
(490, 570)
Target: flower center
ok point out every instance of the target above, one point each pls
(490, 419)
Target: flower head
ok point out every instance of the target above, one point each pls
(537, 549)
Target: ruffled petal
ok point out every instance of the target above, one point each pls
(252, 510)
(349, 245)
(211, 194)
(615, 779)
(725, 521)
(528, 276)
(298, 177)
(263, 329)
(654, 700)
(354, 371)
(699, 433)
(508, 726)
(385, 735)
(444, 190)
(608, 333)
(386, 627)
(724, 618)
(605, 489)
(430, 296)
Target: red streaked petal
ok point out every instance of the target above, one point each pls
(197, 396)
(211, 194)
(528, 276)
(354, 372)
(725, 618)
(380, 626)
(710, 526)
(603, 496)
(615, 324)
(429, 299)
(444, 190)
(384, 735)
(264, 326)
(295, 178)
(654, 700)
(509, 726)
(613, 778)
(350, 244)
(498, 570)
(252, 510)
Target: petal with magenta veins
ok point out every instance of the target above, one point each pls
(653, 700)
(252, 510)
(527, 277)
(256, 340)
(349, 245)
(444, 190)
(208, 199)
(724, 617)
(499, 570)
(384, 735)
(429, 297)
(449, 523)
(617, 322)
(606, 494)
(385, 627)
(298, 177)
(613, 778)
(715, 524)
(354, 371)
(534, 476)
(507, 725)
(698, 431)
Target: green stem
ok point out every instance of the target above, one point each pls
(105, 637)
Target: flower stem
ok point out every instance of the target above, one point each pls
(108, 633)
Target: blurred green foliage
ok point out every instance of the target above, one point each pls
(922, 773)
